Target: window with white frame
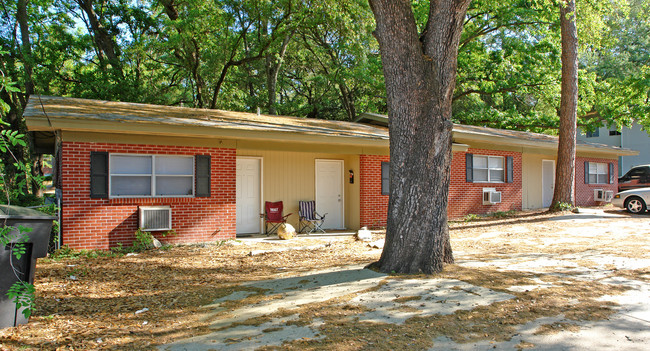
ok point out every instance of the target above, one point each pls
(151, 175)
(598, 173)
(488, 169)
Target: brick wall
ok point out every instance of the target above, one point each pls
(464, 198)
(374, 205)
(103, 223)
(585, 192)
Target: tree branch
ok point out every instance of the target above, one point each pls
(502, 90)
(487, 30)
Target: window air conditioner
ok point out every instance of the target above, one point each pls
(153, 218)
(609, 195)
(599, 195)
(491, 196)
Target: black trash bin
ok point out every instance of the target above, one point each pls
(12, 269)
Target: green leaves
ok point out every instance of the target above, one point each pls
(13, 137)
(22, 294)
(223, 54)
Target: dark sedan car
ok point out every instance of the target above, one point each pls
(637, 177)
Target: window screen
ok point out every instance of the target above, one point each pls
(151, 175)
(598, 173)
(488, 169)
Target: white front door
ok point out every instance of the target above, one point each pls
(329, 192)
(249, 194)
(548, 182)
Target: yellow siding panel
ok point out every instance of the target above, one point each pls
(290, 177)
(532, 179)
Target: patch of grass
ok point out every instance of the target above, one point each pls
(502, 214)
(471, 217)
(65, 252)
(143, 241)
(562, 206)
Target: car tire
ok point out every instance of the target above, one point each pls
(635, 205)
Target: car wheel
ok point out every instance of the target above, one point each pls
(635, 205)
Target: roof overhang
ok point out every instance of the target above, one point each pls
(45, 115)
(469, 137)
(474, 134)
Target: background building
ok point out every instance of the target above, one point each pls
(629, 138)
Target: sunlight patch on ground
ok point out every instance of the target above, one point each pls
(429, 297)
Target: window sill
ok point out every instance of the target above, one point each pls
(154, 201)
(152, 197)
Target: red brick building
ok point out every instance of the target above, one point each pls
(205, 174)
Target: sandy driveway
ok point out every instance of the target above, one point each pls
(532, 280)
(576, 281)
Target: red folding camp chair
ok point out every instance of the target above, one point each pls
(273, 216)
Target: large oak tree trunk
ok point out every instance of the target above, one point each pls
(420, 75)
(566, 152)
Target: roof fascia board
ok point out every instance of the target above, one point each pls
(85, 126)
(469, 138)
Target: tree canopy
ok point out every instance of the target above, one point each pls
(320, 59)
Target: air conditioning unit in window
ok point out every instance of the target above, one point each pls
(603, 195)
(491, 196)
(153, 218)
(599, 195)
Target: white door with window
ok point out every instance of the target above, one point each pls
(329, 192)
(249, 194)
(548, 182)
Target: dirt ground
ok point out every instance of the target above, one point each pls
(157, 297)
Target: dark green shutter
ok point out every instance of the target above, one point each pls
(385, 178)
(586, 172)
(469, 168)
(611, 173)
(202, 174)
(509, 166)
(98, 175)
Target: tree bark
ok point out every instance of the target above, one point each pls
(566, 152)
(108, 51)
(273, 66)
(420, 75)
(170, 9)
(26, 47)
(26, 53)
(37, 171)
(347, 100)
